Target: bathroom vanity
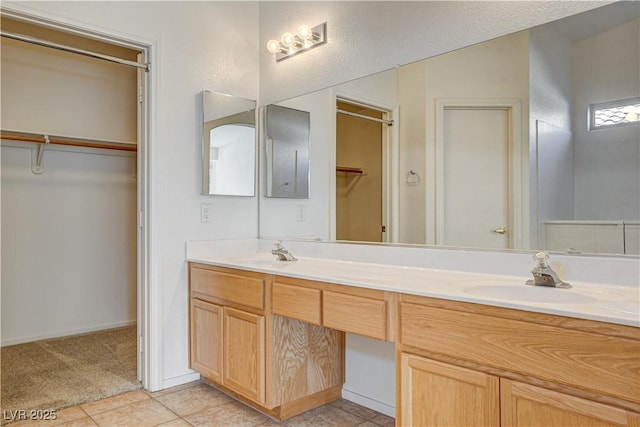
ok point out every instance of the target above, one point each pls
(471, 349)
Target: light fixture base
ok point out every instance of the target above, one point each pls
(319, 37)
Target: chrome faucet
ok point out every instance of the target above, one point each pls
(543, 275)
(282, 253)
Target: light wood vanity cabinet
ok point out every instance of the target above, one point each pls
(525, 405)
(356, 314)
(206, 339)
(297, 302)
(277, 343)
(362, 311)
(461, 362)
(438, 394)
(244, 353)
(280, 365)
(227, 330)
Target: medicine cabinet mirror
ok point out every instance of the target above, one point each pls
(228, 145)
(286, 152)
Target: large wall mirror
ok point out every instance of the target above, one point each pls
(286, 134)
(228, 145)
(491, 146)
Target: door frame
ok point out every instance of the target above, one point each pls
(390, 156)
(148, 337)
(515, 189)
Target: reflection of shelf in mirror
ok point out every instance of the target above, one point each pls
(350, 170)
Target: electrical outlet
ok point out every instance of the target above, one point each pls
(300, 213)
(205, 212)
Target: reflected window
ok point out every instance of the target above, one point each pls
(621, 112)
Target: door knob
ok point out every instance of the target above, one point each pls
(501, 230)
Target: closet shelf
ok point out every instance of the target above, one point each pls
(350, 170)
(60, 140)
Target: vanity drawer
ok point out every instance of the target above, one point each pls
(296, 302)
(357, 314)
(591, 361)
(231, 288)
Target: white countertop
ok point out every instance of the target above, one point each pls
(607, 303)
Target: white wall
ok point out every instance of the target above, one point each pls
(413, 133)
(550, 139)
(195, 45)
(68, 242)
(607, 161)
(366, 37)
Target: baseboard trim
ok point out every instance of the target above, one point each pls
(68, 332)
(179, 380)
(370, 403)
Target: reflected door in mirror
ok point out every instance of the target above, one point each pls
(475, 191)
(358, 174)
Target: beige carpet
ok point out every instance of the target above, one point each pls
(67, 371)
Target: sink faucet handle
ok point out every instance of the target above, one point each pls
(278, 245)
(541, 259)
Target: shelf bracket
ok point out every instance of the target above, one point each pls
(36, 157)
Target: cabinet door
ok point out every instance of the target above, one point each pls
(437, 394)
(206, 339)
(527, 405)
(244, 353)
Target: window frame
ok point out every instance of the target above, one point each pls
(609, 104)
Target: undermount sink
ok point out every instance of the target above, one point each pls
(526, 293)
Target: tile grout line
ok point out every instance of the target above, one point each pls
(115, 407)
(89, 416)
(178, 417)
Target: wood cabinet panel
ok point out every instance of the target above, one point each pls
(525, 405)
(600, 363)
(206, 339)
(244, 353)
(297, 302)
(305, 359)
(360, 315)
(436, 394)
(243, 290)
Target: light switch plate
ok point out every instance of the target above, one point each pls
(205, 212)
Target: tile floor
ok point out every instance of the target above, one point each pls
(198, 404)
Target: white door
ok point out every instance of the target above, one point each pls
(475, 178)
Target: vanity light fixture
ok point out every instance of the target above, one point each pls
(293, 44)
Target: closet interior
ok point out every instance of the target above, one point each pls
(69, 130)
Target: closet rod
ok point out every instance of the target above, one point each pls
(45, 43)
(362, 116)
(34, 137)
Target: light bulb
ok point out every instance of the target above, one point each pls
(288, 40)
(305, 33)
(273, 46)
